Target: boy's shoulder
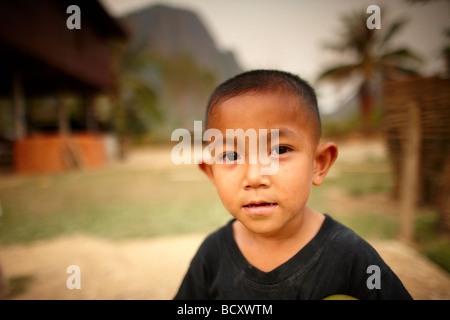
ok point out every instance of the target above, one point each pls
(215, 245)
(341, 240)
(365, 266)
(218, 239)
(340, 234)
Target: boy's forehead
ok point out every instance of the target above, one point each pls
(254, 108)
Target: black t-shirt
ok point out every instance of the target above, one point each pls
(335, 261)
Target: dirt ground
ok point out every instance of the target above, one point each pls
(154, 268)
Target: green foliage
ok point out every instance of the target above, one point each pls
(137, 104)
(345, 128)
(341, 128)
(160, 93)
(184, 89)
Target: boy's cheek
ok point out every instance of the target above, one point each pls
(219, 175)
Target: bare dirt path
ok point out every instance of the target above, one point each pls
(137, 269)
(153, 269)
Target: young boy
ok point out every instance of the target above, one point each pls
(276, 247)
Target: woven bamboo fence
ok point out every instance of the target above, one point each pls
(431, 97)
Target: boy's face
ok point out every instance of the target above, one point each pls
(266, 204)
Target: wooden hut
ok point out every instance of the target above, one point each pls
(41, 56)
(430, 97)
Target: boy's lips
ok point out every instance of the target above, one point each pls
(259, 207)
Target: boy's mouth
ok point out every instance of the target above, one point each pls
(260, 204)
(259, 207)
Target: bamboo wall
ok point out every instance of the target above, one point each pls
(432, 97)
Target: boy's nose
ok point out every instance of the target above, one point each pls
(253, 177)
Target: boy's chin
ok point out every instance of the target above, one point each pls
(263, 227)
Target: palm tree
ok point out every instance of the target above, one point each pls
(372, 58)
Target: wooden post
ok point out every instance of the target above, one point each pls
(18, 100)
(90, 116)
(410, 172)
(71, 152)
(63, 115)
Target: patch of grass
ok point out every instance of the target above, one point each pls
(340, 128)
(362, 183)
(18, 285)
(354, 205)
(438, 251)
(371, 226)
(429, 242)
(116, 203)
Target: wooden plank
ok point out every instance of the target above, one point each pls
(410, 176)
(18, 100)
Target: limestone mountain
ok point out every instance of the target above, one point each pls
(183, 62)
(173, 32)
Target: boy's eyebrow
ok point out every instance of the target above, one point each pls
(282, 132)
(285, 132)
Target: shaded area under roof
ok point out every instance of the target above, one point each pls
(36, 43)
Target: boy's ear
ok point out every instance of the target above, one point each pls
(326, 154)
(206, 168)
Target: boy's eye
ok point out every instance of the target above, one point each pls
(230, 156)
(279, 150)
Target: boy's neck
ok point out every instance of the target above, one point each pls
(268, 251)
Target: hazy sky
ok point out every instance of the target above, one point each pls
(289, 34)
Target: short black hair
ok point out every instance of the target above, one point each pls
(262, 81)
